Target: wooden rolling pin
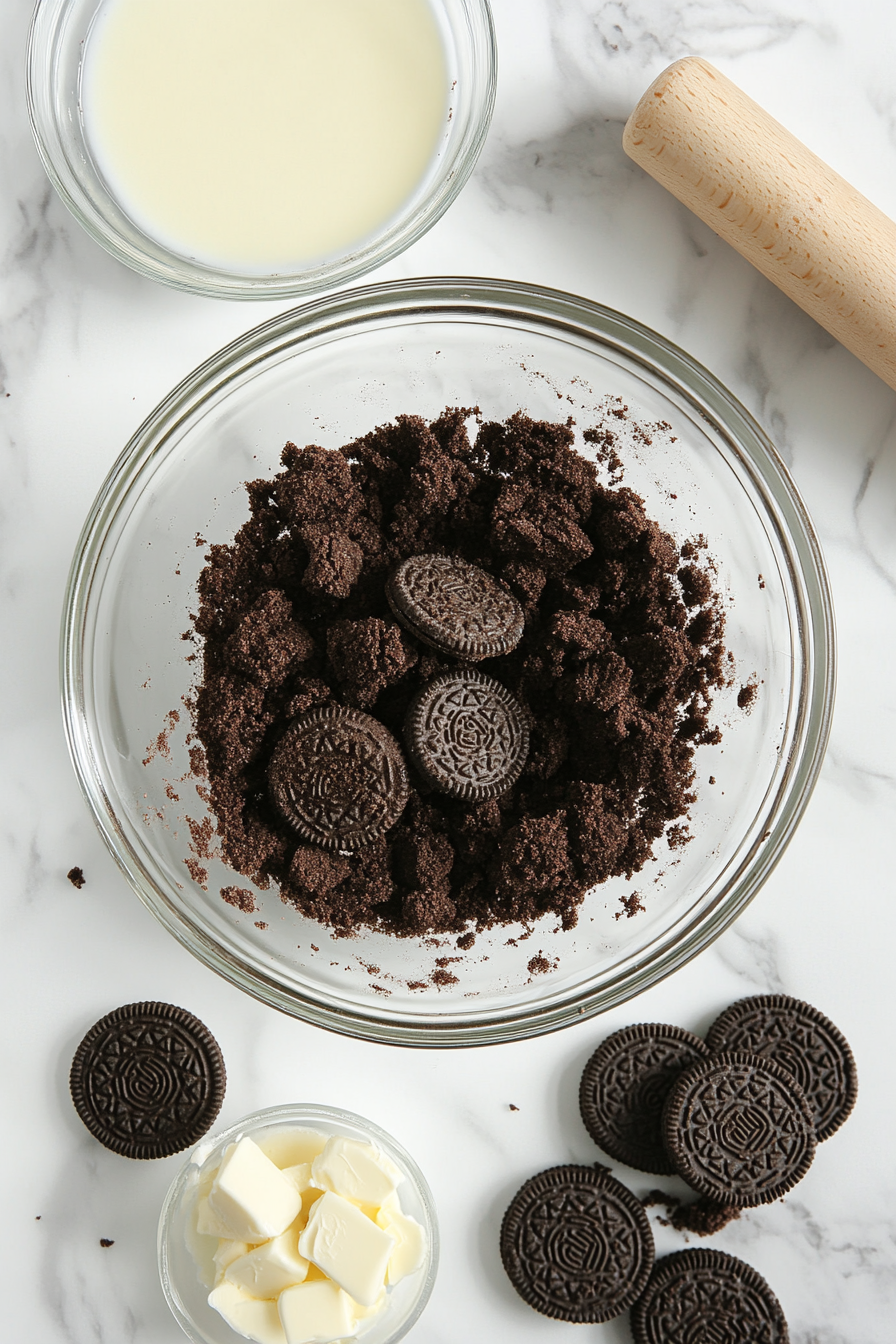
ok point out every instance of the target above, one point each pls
(758, 187)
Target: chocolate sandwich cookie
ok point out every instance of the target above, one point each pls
(338, 777)
(455, 607)
(467, 735)
(148, 1080)
(624, 1088)
(707, 1295)
(804, 1042)
(576, 1244)
(738, 1129)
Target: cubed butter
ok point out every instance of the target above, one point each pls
(247, 1315)
(251, 1196)
(355, 1170)
(227, 1252)
(208, 1222)
(409, 1251)
(300, 1175)
(348, 1246)
(288, 1148)
(316, 1313)
(271, 1267)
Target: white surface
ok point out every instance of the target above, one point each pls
(87, 350)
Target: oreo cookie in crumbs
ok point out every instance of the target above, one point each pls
(624, 1088)
(148, 1080)
(739, 1130)
(576, 1244)
(702, 1295)
(338, 777)
(804, 1042)
(467, 735)
(455, 607)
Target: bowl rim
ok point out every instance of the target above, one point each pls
(308, 1115)
(427, 297)
(155, 261)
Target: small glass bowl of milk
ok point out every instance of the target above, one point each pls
(259, 148)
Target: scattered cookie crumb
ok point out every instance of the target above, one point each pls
(631, 905)
(761, 581)
(240, 898)
(105, 1242)
(443, 977)
(198, 873)
(260, 924)
(747, 694)
(76, 877)
(416, 984)
(701, 1216)
(466, 941)
(539, 965)
(712, 779)
(512, 1107)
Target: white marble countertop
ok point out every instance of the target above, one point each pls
(86, 350)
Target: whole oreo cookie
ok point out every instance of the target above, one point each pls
(455, 607)
(148, 1080)
(467, 735)
(576, 1244)
(624, 1088)
(804, 1042)
(707, 1295)
(738, 1129)
(338, 777)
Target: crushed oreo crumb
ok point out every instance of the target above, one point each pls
(622, 650)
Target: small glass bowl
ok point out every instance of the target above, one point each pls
(326, 374)
(185, 1256)
(60, 30)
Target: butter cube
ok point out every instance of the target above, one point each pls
(410, 1243)
(251, 1196)
(316, 1313)
(227, 1252)
(271, 1267)
(287, 1148)
(208, 1222)
(246, 1315)
(355, 1170)
(349, 1248)
(300, 1175)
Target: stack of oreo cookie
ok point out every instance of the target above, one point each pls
(736, 1116)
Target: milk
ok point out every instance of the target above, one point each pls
(264, 134)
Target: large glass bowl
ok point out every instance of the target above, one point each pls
(327, 373)
(185, 1257)
(60, 31)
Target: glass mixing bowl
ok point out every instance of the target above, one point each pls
(185, 1258)
(327, 373)
(60, 32)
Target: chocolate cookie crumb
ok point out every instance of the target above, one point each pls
(538, 965)
(105, 1242)
(443, 977)
(466, 941)
(704, 1217)
(240, 898)
(512, 1107)
(76, 877)
(631, 905)
(747, 695)
(615, 669)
